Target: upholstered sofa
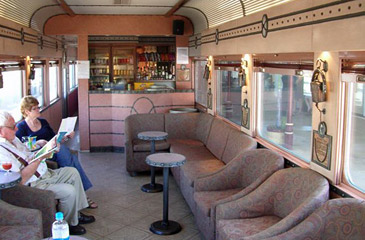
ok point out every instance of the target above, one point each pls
(235, 180)
(33, 198)
(284, 200)
(202, 135)
(337, 219)
(19, 223)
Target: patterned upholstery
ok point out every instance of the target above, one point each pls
(289, 194)
(181, 126)
(238, 178)
(28, 197)
(20, 223)
(337, 219)
(217, 139)
(237, 143)
(145, 146)
(135, 124)
(204, 123)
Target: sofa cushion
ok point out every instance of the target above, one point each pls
(218, 137)
(239, 228)
(192, 153)
(181, 125)
(203, 126)
(205, 200)
(237, 143)
(193, 169)
(186, 142)
(145, 146)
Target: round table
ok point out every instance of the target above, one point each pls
(152, 136)
(9, 180)
(166, 161)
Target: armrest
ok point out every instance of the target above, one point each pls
(14, 216)
(28, 197)
(228, 177)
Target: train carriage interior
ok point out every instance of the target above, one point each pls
(195, 119)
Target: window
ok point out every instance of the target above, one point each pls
(285, 110)
(11, 93)
(201, 85)
(72, 76)
(229, 94)
(355, 135)
(53, 82)
(36, 84)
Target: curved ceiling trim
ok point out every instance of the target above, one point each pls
(200, 11)
(31, 17)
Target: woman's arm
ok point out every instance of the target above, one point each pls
(21, 132)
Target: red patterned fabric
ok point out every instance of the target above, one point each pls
(218, 136)
(291, 194)
(236, 228)
(33, 198)
(238, 178)
(337, 219)
(20, 223)
(145, 146)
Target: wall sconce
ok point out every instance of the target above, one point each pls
(242, 73)
(31, 72)
(298, 72)
(206, 75)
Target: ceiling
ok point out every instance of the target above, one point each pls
(202, 13)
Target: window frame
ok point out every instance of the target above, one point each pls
(346, 113)
(15, 66)
(57, 67)
(296, 160)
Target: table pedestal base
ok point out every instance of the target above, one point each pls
(165, 228)
(149, 188)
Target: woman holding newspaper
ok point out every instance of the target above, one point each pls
(35, 126)
(64, 182)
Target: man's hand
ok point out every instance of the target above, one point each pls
(70, 135)
(41, 142)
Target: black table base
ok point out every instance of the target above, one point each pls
(165, 228)
(149, 188)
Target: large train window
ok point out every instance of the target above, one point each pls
(285, 108)
(228, 92)
(12, 86)
(53, 81)
(37, 81)
(201, 84)
(354, 164)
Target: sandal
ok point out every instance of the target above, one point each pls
(91, 203)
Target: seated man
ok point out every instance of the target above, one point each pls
(64, 182)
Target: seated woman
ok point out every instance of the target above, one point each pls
(35, 126)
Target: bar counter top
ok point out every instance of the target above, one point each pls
(141, 91)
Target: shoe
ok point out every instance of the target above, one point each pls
(92, 204)
(77, 230)
(85, 219)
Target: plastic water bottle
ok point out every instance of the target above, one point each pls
(60, 229)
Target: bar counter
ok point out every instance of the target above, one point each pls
(108, 110)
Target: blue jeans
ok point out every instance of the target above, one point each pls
(65, 158)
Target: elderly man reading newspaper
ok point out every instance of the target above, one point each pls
(64, 182)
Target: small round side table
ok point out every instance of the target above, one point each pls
(152, 136)
(9, 180)
(165, 160)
